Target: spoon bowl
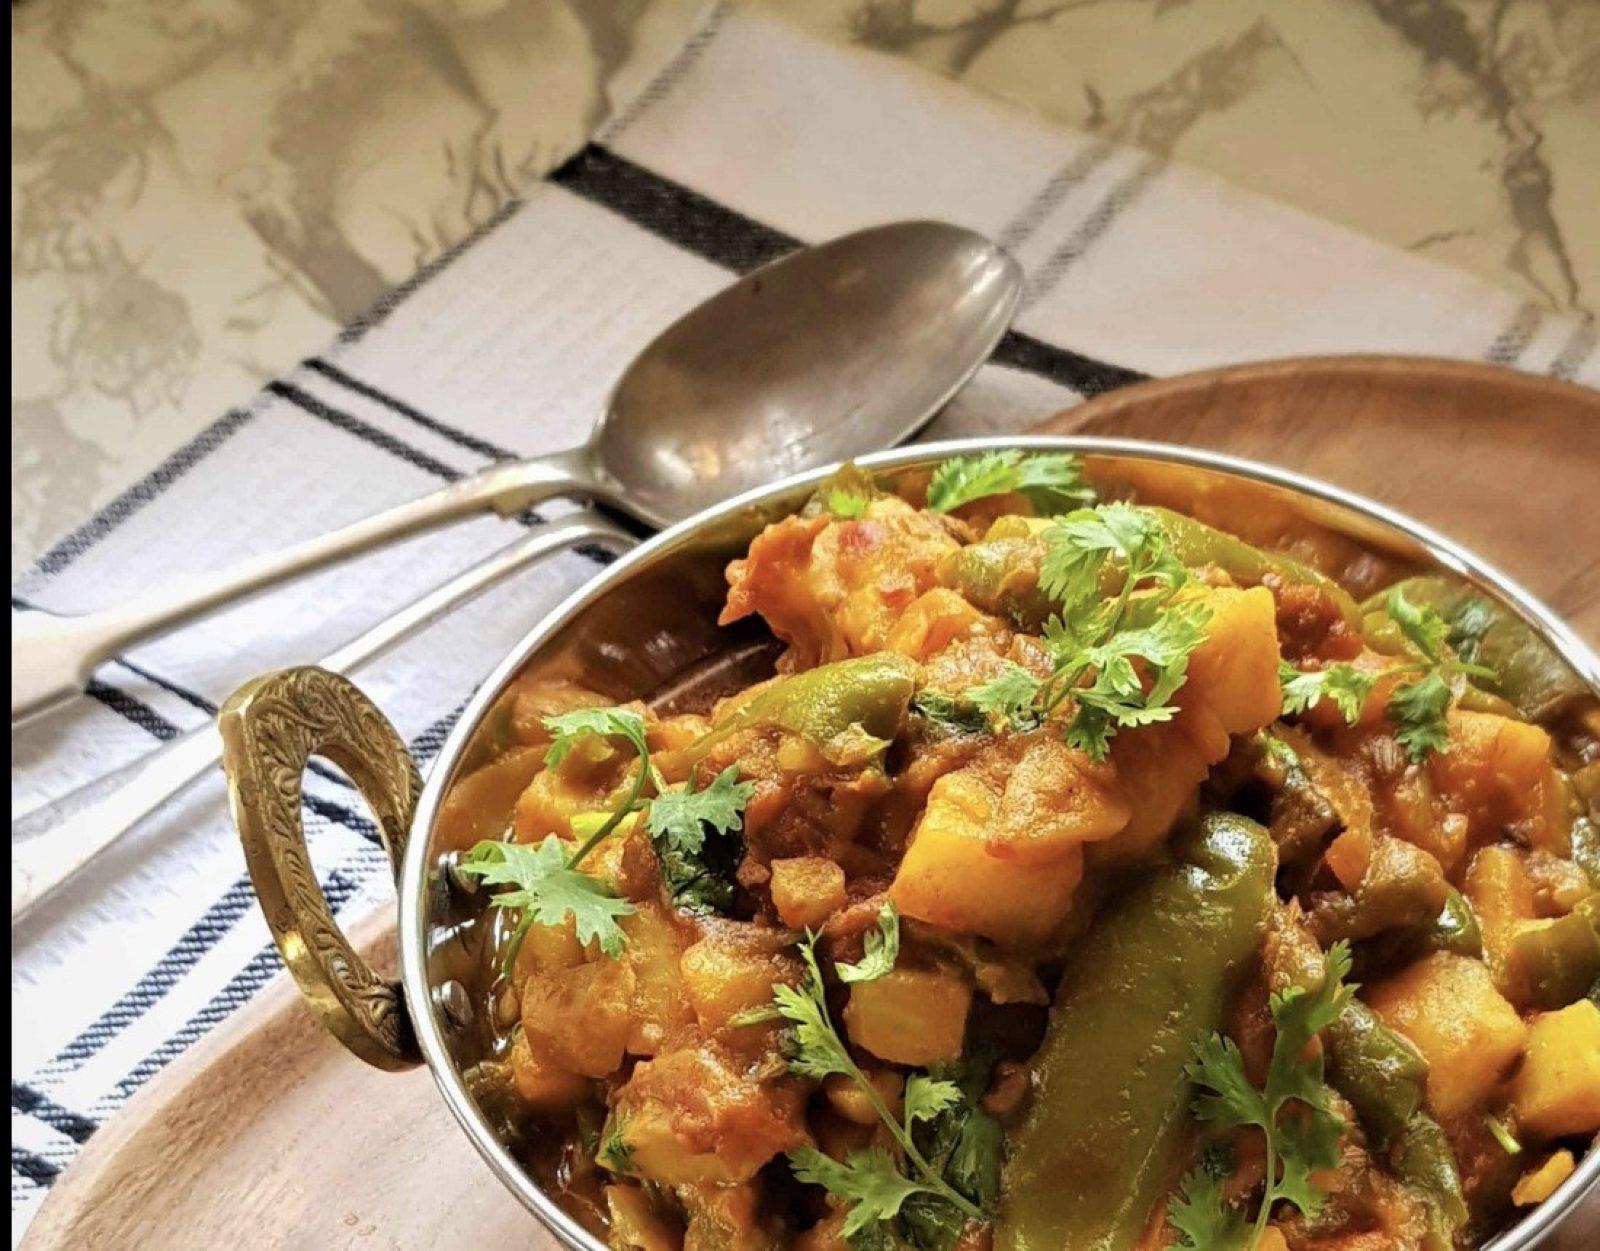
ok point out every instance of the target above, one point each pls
(827, 353)
(830, 352)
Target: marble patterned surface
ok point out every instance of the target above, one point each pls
(203, 191)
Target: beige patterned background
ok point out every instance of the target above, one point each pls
(203, 191)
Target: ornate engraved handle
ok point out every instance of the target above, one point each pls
(270, 728)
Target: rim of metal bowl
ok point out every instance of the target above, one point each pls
(413, 895)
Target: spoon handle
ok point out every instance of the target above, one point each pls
(52, 657)
(70, 832)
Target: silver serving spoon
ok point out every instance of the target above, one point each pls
(832, 351)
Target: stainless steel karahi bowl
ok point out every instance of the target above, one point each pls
(646, 628)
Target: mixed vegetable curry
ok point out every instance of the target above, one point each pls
(1087, 877)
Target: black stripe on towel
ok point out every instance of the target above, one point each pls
(367, 433)
(36, 1169)
(64, 1121)
(724, 237)
(142, 492)
(462, 438)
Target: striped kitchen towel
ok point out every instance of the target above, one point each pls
(754, 139)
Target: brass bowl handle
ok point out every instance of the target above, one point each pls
(271, 728)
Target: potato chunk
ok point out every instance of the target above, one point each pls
(910, 1016)
(933, 621)
(835, 588)
(730, 971)
(1557, 1090)
(1497, 773)
(807, 890)
(1447, 1005)
(692, 1117)
(1233, 674)
(953, 877)
(580, 1017)
(541, 1083)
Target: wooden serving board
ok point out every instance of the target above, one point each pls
(268, 1134)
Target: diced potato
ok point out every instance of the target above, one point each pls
(1538, 1184)
(580, 1017)
(636, 1223)
(1272, 1239)
(807, 890)
(952, 878)
(724, 976)
(1053, 800)
(1349, 855)
(1447, 1005)
(1557, 1090)
(1501, 895)
(1159, 771)
(848, 1099)
(910, 1016)
(1234, 672)
(541, 1083)
(552, 799)
(933, 620)
(480, 805)
(691, 1117)
(835, 588)
(723, 1218)
(661, 1010)
(548, 948)
(1497, 772)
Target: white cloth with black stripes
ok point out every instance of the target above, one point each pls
(755, 137)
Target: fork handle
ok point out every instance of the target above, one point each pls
(53, 657)
(42, 863)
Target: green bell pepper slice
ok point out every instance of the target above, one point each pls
(1195, 543)
(1100, 1144)
(866, 696)
(1385, 1079)
(1558, 961)
(1529, 675)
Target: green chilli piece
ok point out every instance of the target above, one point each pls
(1100, 1146)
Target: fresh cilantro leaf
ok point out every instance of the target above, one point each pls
(1049, 480)
(1285, 756)
(1345, 685)
(548, 887)
(1007, 698)
(547, 890)
(615, 1151)
(1308, 1139)
(846, 504)
(962, 479)
(927, 1097)
(817, 1051)
(974, 1164)
(883, 948)
(959, 718)
(1426, 630)
(869, 1181)
(1418, 711)
(1227, 1096)
(1052, 481)
(680, 818)
(1079, 545)
(1120, 646)
(1204, 1219)
(698, 873)
(1470, 622)
(570, 727)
